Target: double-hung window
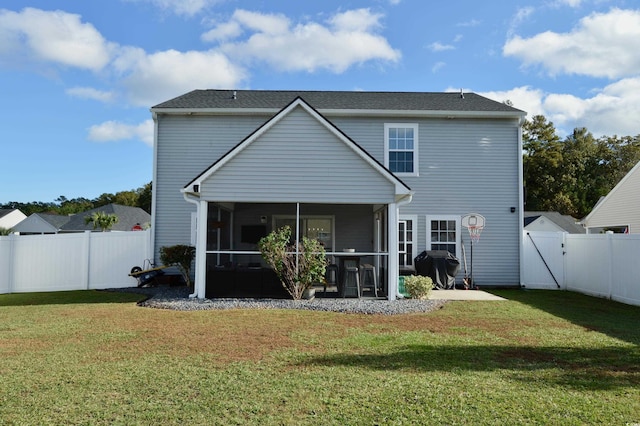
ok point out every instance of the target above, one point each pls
(401, 148)
(443, 233)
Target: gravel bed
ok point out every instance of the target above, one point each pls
(177, 298)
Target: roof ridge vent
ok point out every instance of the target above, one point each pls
(234, 96)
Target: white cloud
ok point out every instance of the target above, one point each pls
(524, 98)
(611, 111)
(181, 7)
(439, 47)
(601, 45)
(437, 67)
(56, 36)
(521, 15)
(470, 23)
(347, 38)
(152, 78)
(222, 32)
(90, 93)
(115, 131)
(570, 3)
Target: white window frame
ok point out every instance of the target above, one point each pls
(459, 230)
(414, 229)
(414, 127)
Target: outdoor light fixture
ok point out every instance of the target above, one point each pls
(513, 209)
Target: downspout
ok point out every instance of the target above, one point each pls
(197, 203)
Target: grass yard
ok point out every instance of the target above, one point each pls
(542, 357)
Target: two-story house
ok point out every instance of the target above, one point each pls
(375, 176)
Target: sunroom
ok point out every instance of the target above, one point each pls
(299, 170)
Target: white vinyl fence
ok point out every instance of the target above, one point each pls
(602, 265)
(79, 261)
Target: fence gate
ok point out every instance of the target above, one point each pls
(543, 260)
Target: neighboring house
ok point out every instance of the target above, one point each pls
(41, 223)
(618, 210)
(9, 218)
(129, 219)
(552, 222)
(386, 174)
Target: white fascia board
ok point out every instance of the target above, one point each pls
(345, 112)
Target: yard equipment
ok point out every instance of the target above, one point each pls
(146, 277)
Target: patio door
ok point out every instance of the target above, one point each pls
(313, 227)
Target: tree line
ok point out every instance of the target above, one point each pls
(140, 197)
(569, 176)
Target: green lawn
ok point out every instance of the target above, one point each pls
(538, 358)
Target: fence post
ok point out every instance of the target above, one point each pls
(87, 257)
(610, 263)
(12, 261)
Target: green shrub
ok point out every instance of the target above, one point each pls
(180, 256)
(296, 273)
(418, 287)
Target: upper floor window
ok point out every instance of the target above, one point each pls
(401, 148)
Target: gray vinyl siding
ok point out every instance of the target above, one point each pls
(619, 208)
(185, 147)
(298, 160)
(466, 165)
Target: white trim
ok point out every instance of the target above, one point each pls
(392, 262)
(457, 219)
(154, 184)
(415, 150)
(414, 219)
(345, 112)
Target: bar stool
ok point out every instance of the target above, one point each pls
(331, 277)
(368, 279)
(351, 284)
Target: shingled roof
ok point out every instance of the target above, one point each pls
(336, 100)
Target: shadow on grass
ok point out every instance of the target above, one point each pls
(68, 297)
(580, 368)
(614, 319)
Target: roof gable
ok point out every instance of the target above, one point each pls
(127, 217)
(562, 222)
(603, 202)
(400, 189)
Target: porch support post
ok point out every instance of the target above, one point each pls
(392, 262)
(200, 283)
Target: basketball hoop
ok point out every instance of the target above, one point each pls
(475, 224)
(474, 233)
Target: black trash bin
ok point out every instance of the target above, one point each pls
(440, 265)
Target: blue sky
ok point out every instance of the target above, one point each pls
(77, 78)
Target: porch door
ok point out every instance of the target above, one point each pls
(407, 228)
(313, 227)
